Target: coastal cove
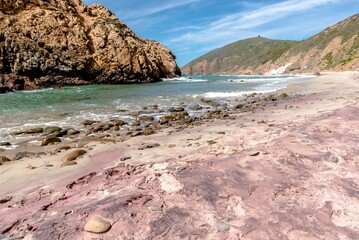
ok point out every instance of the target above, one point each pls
(68, 107)
(258, 170)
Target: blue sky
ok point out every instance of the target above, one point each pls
(191, 28)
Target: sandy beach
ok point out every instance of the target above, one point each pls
(286, 170)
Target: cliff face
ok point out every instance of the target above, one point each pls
(50, 43)
(334, 49)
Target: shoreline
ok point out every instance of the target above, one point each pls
(256, 174)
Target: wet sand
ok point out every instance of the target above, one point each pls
(286, 170)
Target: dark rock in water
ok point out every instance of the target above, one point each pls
(50, 130)
(4, 89)
(146, 118)
(36, 50)
(118, 122)
(50, 140)
(4, 144)
(176, 109)
(4, 159)
(34, 130)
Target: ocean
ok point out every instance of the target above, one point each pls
(69, 106)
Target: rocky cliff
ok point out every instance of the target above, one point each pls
(53, 43)
(334, 49)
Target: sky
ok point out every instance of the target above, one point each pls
(191, 28)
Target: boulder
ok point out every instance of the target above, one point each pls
(50, 140)
(61, 43)
(49, 130)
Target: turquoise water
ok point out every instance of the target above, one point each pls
(68, 106)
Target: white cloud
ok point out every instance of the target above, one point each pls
(234, 23)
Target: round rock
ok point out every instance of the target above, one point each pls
(73, 155)
(50, 140)
(97, 224)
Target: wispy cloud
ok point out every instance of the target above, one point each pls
(240, 21)
(154, 8)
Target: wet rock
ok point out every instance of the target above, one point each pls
(34, 130)
(176, 109)
(89, 122)
(146, 118)
(118, 122)
(72, 132)
(49, 130)
(195, 108)
(167, 119)
(97, 224)
(50, 140)
(149, 145)
(102, 127)
(4, 144)
(4, 159)
(4, 89)
(121, 110)
(136, 123)
(73, 155)
(5, 199)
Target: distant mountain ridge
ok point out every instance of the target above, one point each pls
(334, 49)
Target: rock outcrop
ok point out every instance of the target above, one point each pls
(54, 43)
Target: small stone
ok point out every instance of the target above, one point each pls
(155, 208)
(73, 155)
(211, 142)
(125, 158)
(222, 133)
(50, 140)
(30, 167)
(5, 199)
(334, 159)
(97, 224)
(222, 227)
(172, 145)
(68, 163)
(254, 153)
(62, 148)
(146, 118)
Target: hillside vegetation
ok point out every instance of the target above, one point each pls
(334, 49)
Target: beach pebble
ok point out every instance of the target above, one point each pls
(211, 142)
(254, 153)
(73, 155)
(68, 163)
(172, 145)
(118, 122)
(97, 224)
(222, 227)
(50, 140)
(50, 130)
(125, 158)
